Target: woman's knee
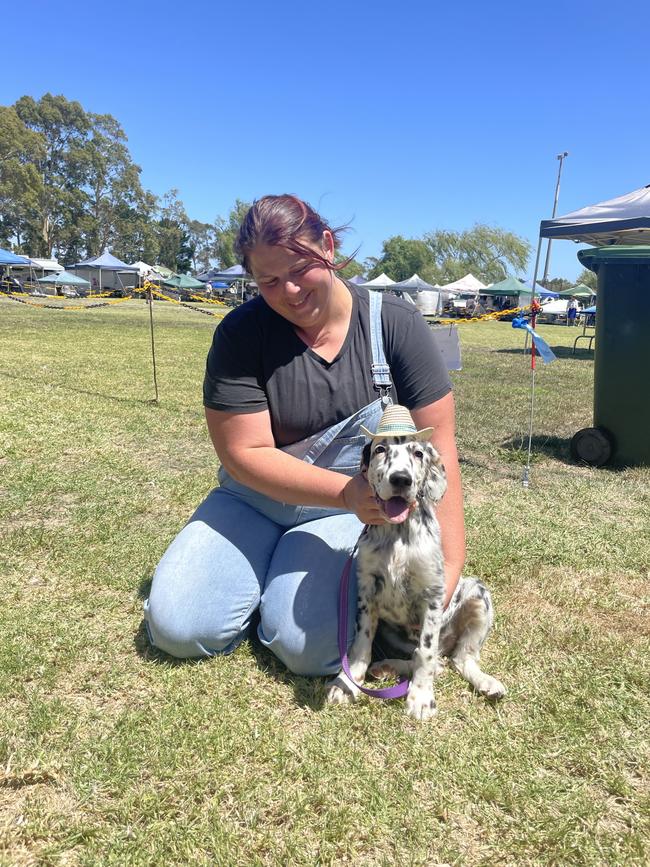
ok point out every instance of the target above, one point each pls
(311, 654)
(176, 632)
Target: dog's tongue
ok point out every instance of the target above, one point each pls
(396, 509)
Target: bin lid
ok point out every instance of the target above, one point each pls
(623, 254)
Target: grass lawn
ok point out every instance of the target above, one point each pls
(111, 753)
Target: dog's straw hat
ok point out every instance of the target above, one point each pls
(397, 422)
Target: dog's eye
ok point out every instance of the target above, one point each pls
(419, 454)
(379, 450)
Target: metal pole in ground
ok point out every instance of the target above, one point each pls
(153, 347)
(526, 475)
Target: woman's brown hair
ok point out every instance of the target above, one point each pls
(280, 221)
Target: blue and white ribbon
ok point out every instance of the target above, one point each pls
(545, 351)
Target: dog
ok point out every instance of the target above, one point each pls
(401, 582)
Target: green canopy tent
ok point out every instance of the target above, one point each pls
(158, 271)
(510, 287)
(183, 281)
(64, 278)
(579, 291)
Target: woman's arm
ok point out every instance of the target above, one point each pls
(245, 445)
(441, 417)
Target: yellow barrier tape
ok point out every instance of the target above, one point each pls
(149, 288)
(13, 297)
(495, 315)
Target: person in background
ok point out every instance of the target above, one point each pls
(572, 312)
(290, 378)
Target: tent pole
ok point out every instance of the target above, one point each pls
(153, 347)
(526, 474)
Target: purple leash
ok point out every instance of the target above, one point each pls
(400, 689)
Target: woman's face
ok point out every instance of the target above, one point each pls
(294, 285)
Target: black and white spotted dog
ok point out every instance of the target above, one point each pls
(401, 582)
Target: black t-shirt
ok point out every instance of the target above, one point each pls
(258, 362)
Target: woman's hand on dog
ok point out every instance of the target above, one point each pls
(359, 498)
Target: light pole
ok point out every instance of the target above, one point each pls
(561, 158)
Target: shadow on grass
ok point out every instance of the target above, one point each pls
(581, 354)
(308, 691)
(557, 448)
(551, 446)
(130, 401)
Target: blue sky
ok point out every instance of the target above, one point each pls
(399, 117)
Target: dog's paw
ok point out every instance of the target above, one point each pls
(421, 705)
(391, 668)
(339, 692)
(492, 688)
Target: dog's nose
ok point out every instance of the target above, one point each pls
(400, 479)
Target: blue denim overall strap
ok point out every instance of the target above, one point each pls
(311, 448)
(380, 369)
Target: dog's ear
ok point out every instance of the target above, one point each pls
(435, 480)
(365, 458)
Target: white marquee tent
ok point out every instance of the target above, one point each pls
(426, 296)
(468, 283)
(380, 283)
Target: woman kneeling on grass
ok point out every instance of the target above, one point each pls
(290, 377)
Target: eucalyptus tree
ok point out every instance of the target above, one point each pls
(226, 231)
(57, 221)
(112, 181)
(20, 182)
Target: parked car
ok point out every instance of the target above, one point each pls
(553, 311)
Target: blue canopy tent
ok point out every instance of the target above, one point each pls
(105, 262)
(9, 258)
(230, 275)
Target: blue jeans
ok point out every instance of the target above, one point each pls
(242, 551)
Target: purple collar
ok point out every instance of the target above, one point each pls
(400, 689)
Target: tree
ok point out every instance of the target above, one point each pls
(226, 232)
(202, 237)
(556, 284)
(176, 250)
(58, 218)
(20, 183)
(488, 252)
(137, 237)
(403, 257)
(587, 278)
(352, 269)
(113, 181)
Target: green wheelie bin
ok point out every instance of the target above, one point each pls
(621, 431)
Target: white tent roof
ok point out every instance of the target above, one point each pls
(468, 283)
(624, 220)
(40, 264)
(143, 268)
(381, 282)
(46, 264)
(414, 283)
